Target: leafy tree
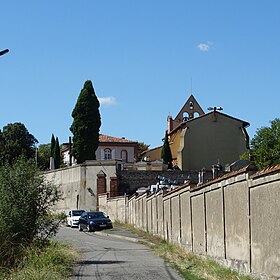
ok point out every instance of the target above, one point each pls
(141, 148)
(25, 207)
(16, 141)
(86, 124)
(265, 145)
(43, 156)
(57, 157)
(166, 152)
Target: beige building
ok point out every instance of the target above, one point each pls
(198, 140)
(210, 139)
(114, 148)
(109, 148)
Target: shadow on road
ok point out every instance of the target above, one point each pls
(89, 262)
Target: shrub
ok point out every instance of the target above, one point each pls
(25, 205)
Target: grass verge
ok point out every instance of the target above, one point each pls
(53, 262)
(189, 265)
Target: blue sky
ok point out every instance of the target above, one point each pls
(141, 57)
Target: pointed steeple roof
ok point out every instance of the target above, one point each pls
(190, 107)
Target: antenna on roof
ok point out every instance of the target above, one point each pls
(191, 85)
(214, 108)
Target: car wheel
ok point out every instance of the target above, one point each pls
(80, 228)
(89, 229)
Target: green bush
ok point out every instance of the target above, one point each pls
(25, 204)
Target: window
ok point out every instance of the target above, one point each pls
(185, 116)
(124, 155)
(191, 105)
(107, 154)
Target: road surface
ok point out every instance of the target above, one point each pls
(108, 257)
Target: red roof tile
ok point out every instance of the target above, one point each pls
(111, 139)
(265, 171)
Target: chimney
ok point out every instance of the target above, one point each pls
(216, 168)
(169, 124)
(201, 176)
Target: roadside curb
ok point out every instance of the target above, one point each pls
(117, 236)
(132, 239)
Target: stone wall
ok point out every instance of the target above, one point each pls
(131, 180)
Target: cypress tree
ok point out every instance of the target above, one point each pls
(166, 154)
(52, 146)
(57, 157)
(86, 124)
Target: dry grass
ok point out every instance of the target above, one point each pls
(189, 265)
(52, 263)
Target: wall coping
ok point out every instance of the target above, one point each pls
(85, 164)
(247, 169)
(185, 187)
(266, 171)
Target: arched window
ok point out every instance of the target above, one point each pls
(124, 155)
(185, 116)
(107, 153)
(191, 105)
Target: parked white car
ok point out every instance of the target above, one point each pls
(73, 217)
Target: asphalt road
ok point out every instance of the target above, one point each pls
(107, 257)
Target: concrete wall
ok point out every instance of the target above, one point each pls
(198, 224)
(175, 219)
(214, 223)
(114, 207)
(237, 223)
(265, 224)
(186, 219)
(233, 219)
(78, 184)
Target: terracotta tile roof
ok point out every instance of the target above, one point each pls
(265, 171)
(153, 149)
(111, 139)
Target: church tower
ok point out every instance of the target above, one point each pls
(190, 110)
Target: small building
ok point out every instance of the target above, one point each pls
(198, 140)
(109, 148)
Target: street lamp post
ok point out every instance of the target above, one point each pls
(4, 52)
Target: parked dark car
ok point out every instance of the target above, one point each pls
(92, 221)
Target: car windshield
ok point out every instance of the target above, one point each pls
(77, 212)
(94, 215)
